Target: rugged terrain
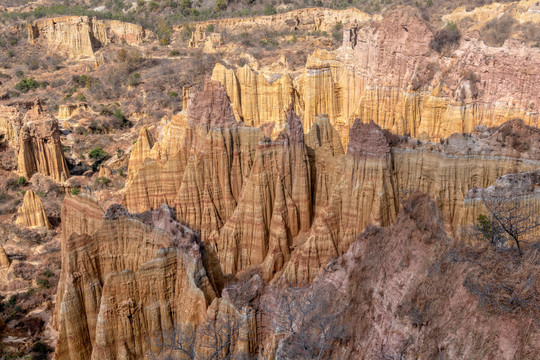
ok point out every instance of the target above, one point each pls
(311, 183)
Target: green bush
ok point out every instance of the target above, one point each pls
(75, 191)
(102, 180)
(173, 94)
(152, 5)
(47, 273)
(44, 283)
(269, 9)
(210, 28)
(221, 5)
(21, 181)
(175, 52)
(28, 84)
(97, 153)
(119, 153)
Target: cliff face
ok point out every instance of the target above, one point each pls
(389, 74)
(310, 19)
(31, 212)
(297, 202)
(134, 279)
(80, 36)
(40, 150)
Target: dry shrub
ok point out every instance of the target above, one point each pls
(498, 30)
(445, 39)
(504, 282)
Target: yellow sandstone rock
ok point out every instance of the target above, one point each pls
(31, 212)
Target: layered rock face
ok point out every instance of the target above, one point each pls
(389, 74)
(310, 19)
(40, 150)
(134, 279)
(297, 202)
(80, 36)
(31, 212)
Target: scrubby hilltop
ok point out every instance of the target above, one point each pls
(298, 183)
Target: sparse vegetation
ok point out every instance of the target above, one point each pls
(28, 84)
(97, 153)
(498, 30)
(75, 191)
(21, 181)
(103, 181)
(446, 38)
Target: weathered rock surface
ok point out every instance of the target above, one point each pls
(388, 73)
(11, 121)
(80, 36)
(407, 293)
(134, 279)
(31, 213)
(297, 202)
(40, 149)
(4, 260)
(309, 19)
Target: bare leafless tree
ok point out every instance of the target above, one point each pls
(513, 216)
(309, 319)
(215, 339)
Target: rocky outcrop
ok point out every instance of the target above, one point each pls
(65, 112)
(407, 288)
(136, 279)
(256, 100)
(275, 205)
(11, 121)
(141, 150)
(40, 150)
(388, 73)
(293, 204)
(516, 198)
(310, 19)
(80, 36)
(4, 260)
(31, 212)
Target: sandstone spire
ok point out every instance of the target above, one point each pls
(31, 213)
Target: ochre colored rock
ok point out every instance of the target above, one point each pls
(4, 260)
(309, 19)
(389, 74)
(31, 212)
(80, 36)
(147, 278)
(11, 122)
(141, 150)
(254, 99)
(280, 179)
(40, 149)
(291, 205)
(65, 112)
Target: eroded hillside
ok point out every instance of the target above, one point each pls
(197, 197)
